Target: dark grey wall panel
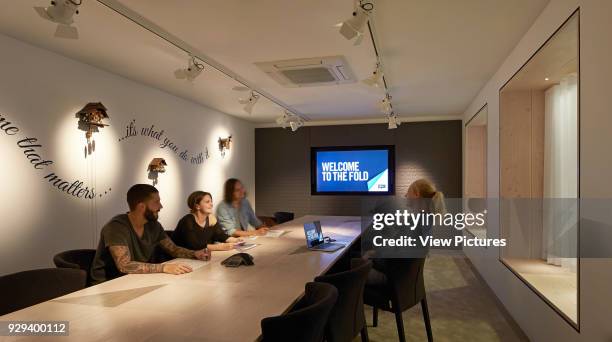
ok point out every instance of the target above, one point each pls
(282, 163)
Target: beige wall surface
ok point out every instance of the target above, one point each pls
(40, 92)
(536, 318)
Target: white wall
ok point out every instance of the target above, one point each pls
(40, 92)
(535, 317)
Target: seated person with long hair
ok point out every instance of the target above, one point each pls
(235, 213)
(200, 228)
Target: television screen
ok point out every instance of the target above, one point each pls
(355, 170)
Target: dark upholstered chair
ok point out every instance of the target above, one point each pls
(404, 288)
(23, 289)
(283, 216)
(268, 221)
(347, 319)
(80, 259)
(306, 321)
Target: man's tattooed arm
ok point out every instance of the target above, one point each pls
(121, 255)
(176, 251)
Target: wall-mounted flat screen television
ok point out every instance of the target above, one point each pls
(352, 170)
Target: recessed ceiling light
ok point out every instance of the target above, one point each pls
(546, 79)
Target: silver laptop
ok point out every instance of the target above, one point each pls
(315, 240)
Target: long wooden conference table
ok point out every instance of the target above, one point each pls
(213, 303)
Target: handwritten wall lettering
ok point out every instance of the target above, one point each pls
(164, 142)
(30, 147)
(7, 127)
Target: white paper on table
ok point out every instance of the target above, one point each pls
(245, 247)
(193, 263)
(275, 233)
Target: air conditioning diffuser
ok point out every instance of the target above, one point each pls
(309, 72)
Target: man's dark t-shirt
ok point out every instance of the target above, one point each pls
(191, 235)
(119, 232)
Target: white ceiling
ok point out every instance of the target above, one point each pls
(437, 54)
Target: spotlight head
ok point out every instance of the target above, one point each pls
(393, 121)
(385, 105)
(283, 120)
(295, 125)
(376, 80)
(193, 70)
(250, 102)
(290, 120)
(353, 27)
(62, 12)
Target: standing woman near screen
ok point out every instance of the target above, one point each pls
(235, 213)
(200, 227)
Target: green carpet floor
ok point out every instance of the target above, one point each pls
(461, 307)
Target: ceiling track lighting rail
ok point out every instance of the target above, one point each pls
(392, 118)
(150, 26)
(354, 27)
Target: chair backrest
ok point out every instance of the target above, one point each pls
(306, 322)
(347, 318)
(269, 221)
(405, 279)
(76, 258)
(23, 289)
(283, 216)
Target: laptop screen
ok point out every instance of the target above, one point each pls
(314, 235)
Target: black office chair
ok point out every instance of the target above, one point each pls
(23, 289)
(347, 319)
(306, 321)
(283, 216)
(80, 259)
(404, 288)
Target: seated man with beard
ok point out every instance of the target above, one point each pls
(128, 241)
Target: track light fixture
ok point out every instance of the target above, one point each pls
(290, 120)
(295, 125)
(354, 26)
(385, 105)
(283, 120)
(62, 12)
(376, 80)
(250, 102)
(193, 70)
(393, 121)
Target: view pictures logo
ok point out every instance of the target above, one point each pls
(412, 220)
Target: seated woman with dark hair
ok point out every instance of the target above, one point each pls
(200, 227)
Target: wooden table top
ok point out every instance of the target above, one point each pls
(213, 303)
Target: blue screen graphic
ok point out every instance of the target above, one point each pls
(352, 171)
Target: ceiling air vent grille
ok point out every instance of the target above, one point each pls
(309, 72)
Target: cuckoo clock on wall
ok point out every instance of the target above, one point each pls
(224, 145)
(156, 166)
(91, 119)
